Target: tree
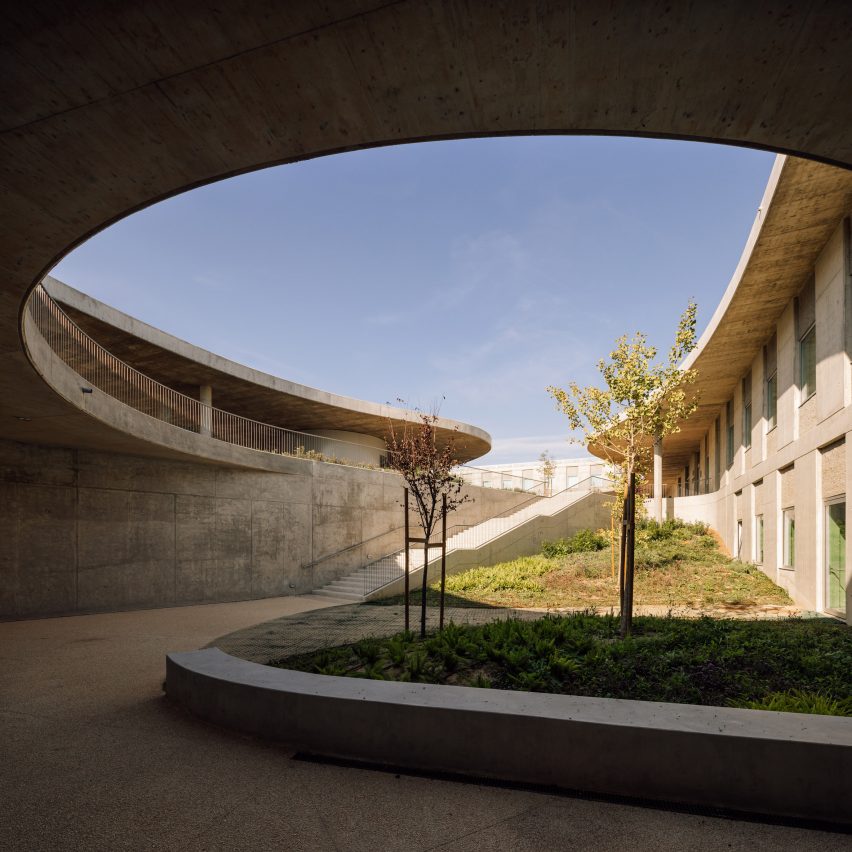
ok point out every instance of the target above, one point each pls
(643, 401)
(546, 468)
(426, 464)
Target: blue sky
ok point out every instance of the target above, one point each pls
(477, 271)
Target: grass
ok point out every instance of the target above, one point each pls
(677, 565)
(793, 665)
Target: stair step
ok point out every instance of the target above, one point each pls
(329, 593)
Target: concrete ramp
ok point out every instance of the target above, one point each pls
(496, 540)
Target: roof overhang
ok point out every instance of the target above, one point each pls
(240, 389)
(803, 203)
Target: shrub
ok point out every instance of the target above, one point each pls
(396, 649)
(522, 574)
(368, 650)
(800, 701)
(655, 531)
(583, 541)
(416, 666)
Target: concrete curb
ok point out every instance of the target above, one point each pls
(783, 764)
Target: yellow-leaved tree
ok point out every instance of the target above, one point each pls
(643, 400)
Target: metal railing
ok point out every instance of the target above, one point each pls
(485, 478)
(390, 567)
(692, 488)
(695, 486)
(104, 371)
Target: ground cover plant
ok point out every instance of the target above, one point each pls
(799, 665)
(677, 565)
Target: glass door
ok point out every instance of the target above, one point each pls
(835, 556)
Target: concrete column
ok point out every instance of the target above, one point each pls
(658, 480)
(205, 397)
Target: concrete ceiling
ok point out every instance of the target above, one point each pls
(109, 107)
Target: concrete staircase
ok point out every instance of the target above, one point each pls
(385, 572)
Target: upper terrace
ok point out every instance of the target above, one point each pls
(181, 385)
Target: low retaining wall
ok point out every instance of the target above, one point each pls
(783, 764)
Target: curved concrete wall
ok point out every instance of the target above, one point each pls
(787, 764)
(82, 530)
(207, 520)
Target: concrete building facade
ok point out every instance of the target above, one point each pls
(765, 459)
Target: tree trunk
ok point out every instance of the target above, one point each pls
(622, 555)
(407, 562)
(629, 558)
(423, 588)
(443, 559)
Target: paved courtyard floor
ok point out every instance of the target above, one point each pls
(340, 625)
(93, 757)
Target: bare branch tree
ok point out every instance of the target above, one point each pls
(426, 464)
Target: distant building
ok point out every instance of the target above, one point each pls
(528, 476)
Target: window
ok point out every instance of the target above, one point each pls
(739, 538)
(807, 363)
(529, 480)
(747, 411)
(789, 532)
(806, 335)
(729, 423)
(772, 401)
(486, 483)
(717, 453)
(758, 539)
(571, 474)
(770, 370)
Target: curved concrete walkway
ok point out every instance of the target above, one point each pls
(93, 757)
